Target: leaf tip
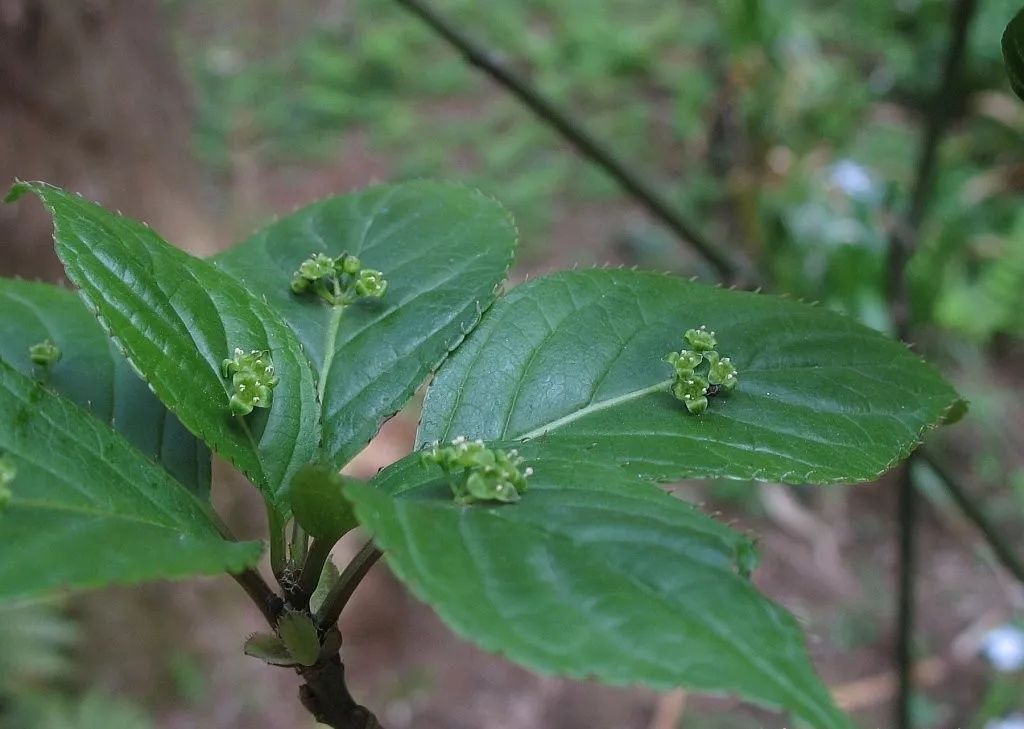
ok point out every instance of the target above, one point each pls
(18, 189)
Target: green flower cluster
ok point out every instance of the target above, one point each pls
(44, 353)
(692, 387)
(252, 380)
(7, 473)
(338, 281)
(478, 473)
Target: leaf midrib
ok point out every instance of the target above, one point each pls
(594, 408)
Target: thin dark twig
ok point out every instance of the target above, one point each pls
(349, 580)
(1002, 551)
(906, 518)
(261, 594)
(902, 243)
(585, 143)
(250, 580)
(941, 111)
(327, 697)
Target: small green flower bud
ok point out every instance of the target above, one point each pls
(692, 391)
(240, 406)
(477, 473)
(696, 405)
(371, 283)
(300, 284)
(233, 364)
(44, 353)
(315, 267)
(684, 361)
(349, 264)
(722, 372)
(701, 339)
(252, 380)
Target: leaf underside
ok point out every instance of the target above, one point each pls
(88, 509)
(443, 249)
(94, 375)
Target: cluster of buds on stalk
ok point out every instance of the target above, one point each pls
(694, 387)
(338, 281)
(252, 380)
(478, 473)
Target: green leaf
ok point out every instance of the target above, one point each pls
(298, 633)
(93, 374)
(443, 250)
(575, 361)
(176, 318)
(269, 649)
(1013, 53)
(90, 510)
(319, 505)
(595, 575)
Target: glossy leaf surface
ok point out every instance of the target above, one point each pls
(575, 361)
(443, 250)
(87, 509)
(176, 317)
(93, 374)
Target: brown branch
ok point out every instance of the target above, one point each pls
(325, 694)
(585, 143)
(968, 505)
(259, 591)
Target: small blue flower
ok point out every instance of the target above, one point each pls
(1004, 648)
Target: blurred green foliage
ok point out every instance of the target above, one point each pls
(37, 672)
(787, 127)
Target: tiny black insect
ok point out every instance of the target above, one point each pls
(713, 390)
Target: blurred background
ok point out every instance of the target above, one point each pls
(787, 128)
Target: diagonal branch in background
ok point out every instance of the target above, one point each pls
(726, 266)
(902, 243)
(967, 504)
